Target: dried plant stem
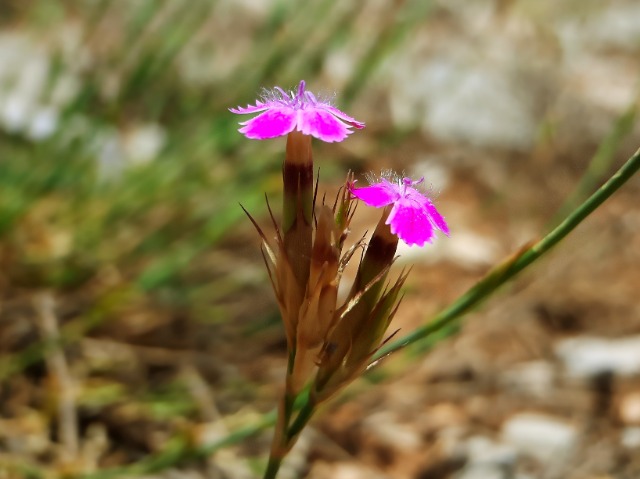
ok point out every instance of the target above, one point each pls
(201, 393)
(62, 379)
(281, 443)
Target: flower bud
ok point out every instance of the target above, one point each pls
(364, 318)
(317, 312)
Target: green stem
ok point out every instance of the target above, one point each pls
(304, 416)
(303, 403)
(291, 435)
(272, 468)
(281, 444)
(514, 265)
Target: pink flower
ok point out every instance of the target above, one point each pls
(413, 218)
(282, 113)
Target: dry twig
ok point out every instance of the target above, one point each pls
(59, 371)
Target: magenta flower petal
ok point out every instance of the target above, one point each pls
(259, 106)
(410, 223)
(436, 217)
(282, 112)
(378, 195)
(413, 217)
(343, 116)
(322, 125)
(269, 124)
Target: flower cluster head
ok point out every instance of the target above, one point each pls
(282, 112)
(330, 339)
(413, 217)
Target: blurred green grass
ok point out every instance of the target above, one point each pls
(111, 234)
(153, 219)
(81, 218)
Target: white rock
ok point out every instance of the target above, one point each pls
(384, 427)
(470, 249)
(340, 65)
(436, 176)
(457, 94)
(109, 154)
(143, 143)
(533, 377)
(450, 441)
(477, 105)
(616, 26)
(481, 472)
(343, 470)
(585, 357)
(44, 123)
(15, 113)
(484, 451)
(540, 436)
(466, 248)
(255, 9)
(487, 459)
(24, 71)
(631, 438)
(629, 408)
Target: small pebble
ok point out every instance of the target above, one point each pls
(384, 428)
(629, 408)
(630, 438)
(586, 357)
(540, 436)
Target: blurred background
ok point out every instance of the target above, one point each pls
(136, 320)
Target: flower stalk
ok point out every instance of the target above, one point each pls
(330, 342)
(297, 179)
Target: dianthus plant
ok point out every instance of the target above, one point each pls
(330, 341)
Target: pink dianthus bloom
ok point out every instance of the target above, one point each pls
(413, 217)
(282, 113)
